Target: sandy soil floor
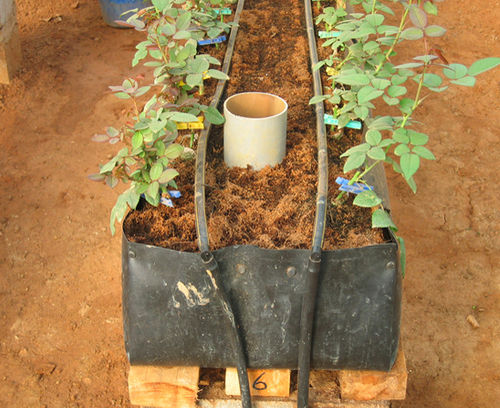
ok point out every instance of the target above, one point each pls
(61, 339)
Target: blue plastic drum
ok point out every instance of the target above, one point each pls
(112, 9)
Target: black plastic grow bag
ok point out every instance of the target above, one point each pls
(244, 305)
(172, 315)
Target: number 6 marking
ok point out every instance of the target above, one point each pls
(259, 385)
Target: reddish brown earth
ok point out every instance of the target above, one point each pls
(61, 339)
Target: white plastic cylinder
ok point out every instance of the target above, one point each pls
(255, 130)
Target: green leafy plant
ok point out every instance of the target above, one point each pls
(151, 139)
(361, 72)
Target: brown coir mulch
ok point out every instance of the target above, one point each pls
(274, 207)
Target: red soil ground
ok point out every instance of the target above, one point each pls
(61, 339)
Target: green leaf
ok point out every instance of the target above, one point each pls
(406, 105)
(109, 166)
(390, 101)
(412, 33)
(380, 83)
(318, 98)
(361, 112)
(367, 93)
(430, 8)
(412, 184)
(173, 151)
(423, 152)
(183, 21)
(214, 116)
(194, 80)
(381, 123)
(214, 73)
(182, 35)
(183, 117)
(455, 71)
(483, 65)
(373, 137)
(418, 16)
(353, 79)
(367, 199)
(381, 219)
(122, 95)
(155, 171)
(141, 91)
(430, 80)
(362, 148)
(168, 175)
(168, 29)
(375, 19)
(434, 31)
(401, 136)
(118, 212)
(398, 79)
(343, 120)
(465, 81)
(409, 65)
(152, 195)
(386, 142)
(401, 150)
(354, 161)
(395, 91)
(160, 4)
(137, 140)
(409, 163)
(376, 153)
(417, 138)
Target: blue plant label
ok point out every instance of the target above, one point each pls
(216, 40)
(328, 34)
(167, 201)
(174, 193)
(226, 11)
(354, 188)
(353, 124)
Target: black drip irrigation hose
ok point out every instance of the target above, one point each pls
(201, 151)
(314, 264)
(209, 262)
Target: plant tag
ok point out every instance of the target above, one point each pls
(353, 124)
(216, 40)
(226, 11)
(328, 34)
(191, 125)
(167, 201)
(355, 188)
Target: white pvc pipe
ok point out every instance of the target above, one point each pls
(255, 130)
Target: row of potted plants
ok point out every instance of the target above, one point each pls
(361, 73)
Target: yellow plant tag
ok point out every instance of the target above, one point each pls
(191, 125)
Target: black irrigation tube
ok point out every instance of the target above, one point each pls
(211, 266)
(314, 264)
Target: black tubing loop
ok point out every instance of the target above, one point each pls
(201, 151)
(314, 264)
(207, 257)
(306, 328)
(212, 269)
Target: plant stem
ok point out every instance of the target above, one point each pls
(398, 35)
(417, 97)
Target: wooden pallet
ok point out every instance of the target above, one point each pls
(190, 387)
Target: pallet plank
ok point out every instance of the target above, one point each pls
(375, 385)
(153, 386)
(263, 382)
